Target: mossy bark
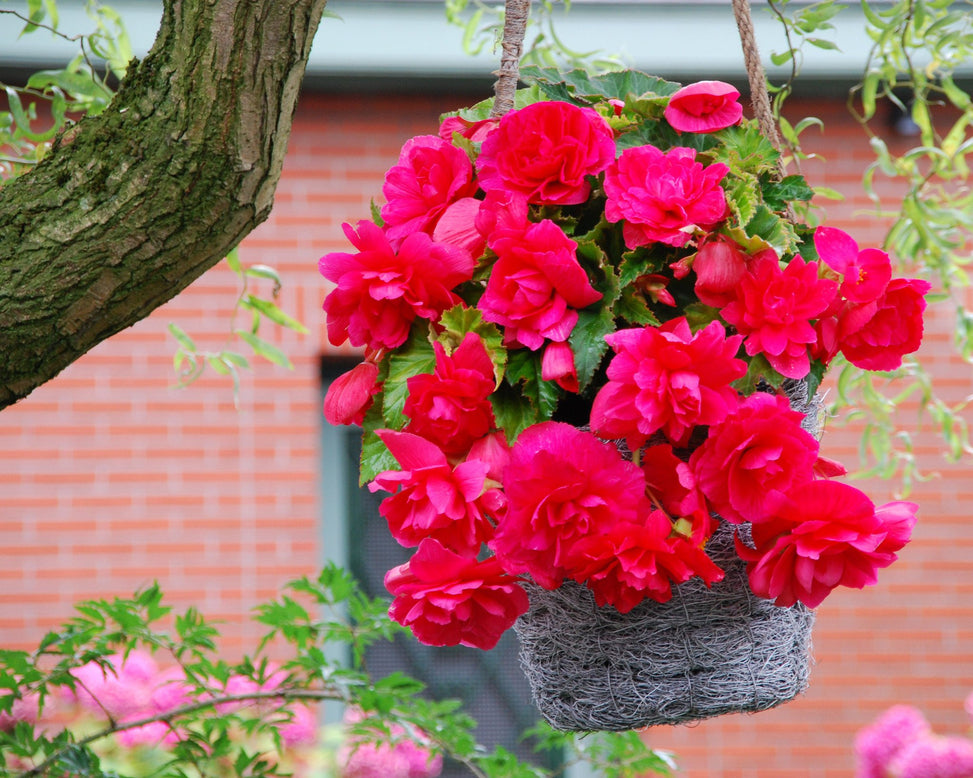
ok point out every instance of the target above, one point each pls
(133, 205)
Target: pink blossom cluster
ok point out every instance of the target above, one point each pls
(406, 755)
(528, 266)
(900, 743)
(127, 688)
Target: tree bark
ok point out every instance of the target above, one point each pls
(133, 205)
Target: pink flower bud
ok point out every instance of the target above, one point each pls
(350, 395)
(557, 364)
(720, 265)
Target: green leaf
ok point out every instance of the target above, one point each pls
(513, 411)
(742, 197)
(375, 456)
(758, 370)
(779, 194)
(524, 373)
(588, 342)
(579, 86)
(264, 271)
(770, 227)
(272, 312)
(414, 357)
(184, 340)
(632, 308)
(745, 150)
(233, 261)
(460, 320)
(268, 351)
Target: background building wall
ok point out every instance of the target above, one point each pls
(110, 478)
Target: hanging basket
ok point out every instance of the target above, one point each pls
(704, 653)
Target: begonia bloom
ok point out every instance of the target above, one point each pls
(562, 484)
(475, 131)
(350, 395)
(536, 286)
(557, 365)
(866, 272)
(828, 534)
(432, 499)
(774, 310)
(877, 335)
(706, 106)
(667, 379)
(380, 291)
(447, 599)
(672, 486)
(546, 151)
(451, 407)
(431, 174)
(754, 457)
(662, 197)
(720, 266)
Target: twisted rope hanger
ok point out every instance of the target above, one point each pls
(512, 44)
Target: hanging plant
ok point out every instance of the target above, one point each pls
(593, 333)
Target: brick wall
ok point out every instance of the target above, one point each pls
(110, 478)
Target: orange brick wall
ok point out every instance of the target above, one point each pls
(110, 478)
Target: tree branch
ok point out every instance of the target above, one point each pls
(136, 203)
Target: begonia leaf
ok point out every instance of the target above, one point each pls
(524, 372)
(758, 371)
(414, 357)
(632, 308)
(588, 341)
(742, 197)
(512, 411)
(778, 194)
(744, 149)
(581, 87)
(776, 231)
(459, 320)
(591, 255)
(639, 262)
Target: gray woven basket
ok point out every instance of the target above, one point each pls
(706, 652)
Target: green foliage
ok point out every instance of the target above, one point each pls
(189, 362)
(52, 101)
(237, 734)
(482, 25)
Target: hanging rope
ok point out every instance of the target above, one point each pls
(512, 45)
(755, 73)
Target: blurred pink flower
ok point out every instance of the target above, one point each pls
(929, 756)
(120, 689)
(877, 743)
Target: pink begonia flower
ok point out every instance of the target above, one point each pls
(931, 756)
(536, 286)
(432, 499)
(663, 197)
(546, 151)
(451, 407)
(877, 744)
(866, 272)
(754, 457)
(380, 291)
(502, 214)
(494, 451)
(667, 379)
(431, 174)
(447, 599)
(557, 364)
(774, 309)
(561, 485)
(828, 534)
(457, 226)
(720, 266)
(629, 562)
(877, 335)
(672, 486)
(350, 395)
(706, 106)
(474, 131)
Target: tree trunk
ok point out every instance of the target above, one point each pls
(133, 205)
